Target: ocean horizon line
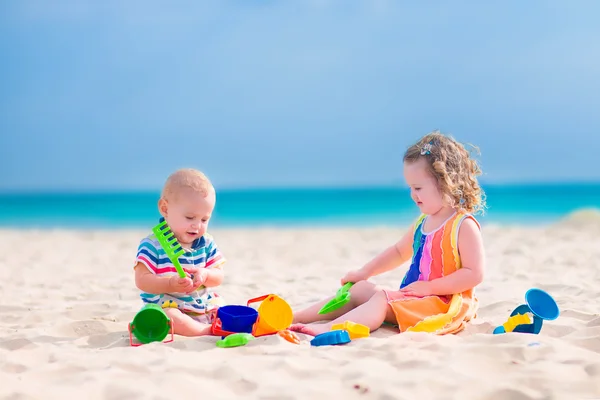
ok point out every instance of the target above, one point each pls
(293, 188)
(341, 206)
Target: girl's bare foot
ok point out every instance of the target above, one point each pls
(311, 329)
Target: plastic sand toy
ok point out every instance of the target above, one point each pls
(235, 340)
(356, 331)
(289, 336)
(170, 245)
(516, 320)
(237, 318)
(331, 338)
(529, 317)
(342, 297)
(274, 315)
(150, 324)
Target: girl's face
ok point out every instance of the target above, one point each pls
(424, 189)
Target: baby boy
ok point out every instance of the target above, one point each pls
(186, 204)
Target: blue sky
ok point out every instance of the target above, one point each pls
(115, 95)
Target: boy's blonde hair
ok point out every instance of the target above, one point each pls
(455, 171)
(186, 178)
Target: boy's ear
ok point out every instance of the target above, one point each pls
(163, 207)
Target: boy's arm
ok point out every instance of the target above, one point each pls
(392, 257)
(147, 282)
(214, 265)
(472, 256)
(214, 277)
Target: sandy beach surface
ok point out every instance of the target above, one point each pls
(67, 296)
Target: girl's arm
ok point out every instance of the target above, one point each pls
(392, 257)
(472, 256)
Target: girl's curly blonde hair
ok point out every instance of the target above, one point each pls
(455, 171)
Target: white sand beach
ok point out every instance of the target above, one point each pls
(67, 296)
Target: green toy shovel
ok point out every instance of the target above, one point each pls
(235, 340)
(342, 297)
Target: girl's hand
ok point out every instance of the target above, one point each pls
(354, 276)
(418, 289)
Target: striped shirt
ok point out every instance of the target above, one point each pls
(203, 254)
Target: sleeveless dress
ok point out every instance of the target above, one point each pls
(435, 254)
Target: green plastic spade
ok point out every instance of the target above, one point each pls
(235, 340)
(342, 297)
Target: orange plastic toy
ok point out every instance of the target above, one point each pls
(274, 315)
(289, 336)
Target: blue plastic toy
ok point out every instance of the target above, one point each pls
(237, 319)
(540, 305)
(331, 338)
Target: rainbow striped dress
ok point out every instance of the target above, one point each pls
(435, 254)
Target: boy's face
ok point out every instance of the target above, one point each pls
(423, 187)
(187, 214)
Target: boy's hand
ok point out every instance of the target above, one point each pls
(418, 289)
(354, 276)
(199, 277)
(180, 285)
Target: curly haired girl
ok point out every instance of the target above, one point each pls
(444, 244)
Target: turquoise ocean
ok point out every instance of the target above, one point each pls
(385, 206)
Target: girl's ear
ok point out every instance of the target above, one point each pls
(163, 207)
(448, 200)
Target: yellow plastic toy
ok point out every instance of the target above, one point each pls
(274, 315)
(355, 330)
(516, 320)
(529, 317)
